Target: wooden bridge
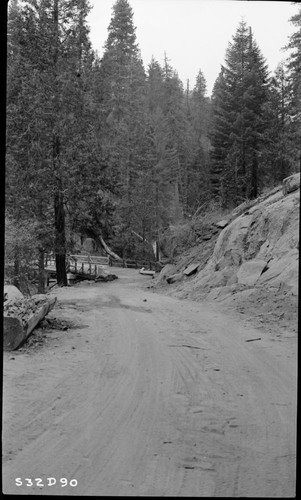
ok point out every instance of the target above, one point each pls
(78, 264)
(88, 265)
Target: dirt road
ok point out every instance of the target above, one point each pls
(149, 395)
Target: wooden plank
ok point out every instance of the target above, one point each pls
(145, 271)
(191, 269)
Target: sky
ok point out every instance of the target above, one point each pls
(195, 34)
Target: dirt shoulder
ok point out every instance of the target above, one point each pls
(275, 311)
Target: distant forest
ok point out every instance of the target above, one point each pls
(103, 147)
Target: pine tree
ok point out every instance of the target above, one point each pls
(177, 122)
(122, 90)
(294, 67)
(198, 187)
(27, 136)
(122, 100)
(50, 46)
(276, 151)
(243, 94)
(219, 134)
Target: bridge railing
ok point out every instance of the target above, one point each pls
(135, 263)
(87, 263)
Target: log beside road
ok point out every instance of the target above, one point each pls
(147, 272)
(15, 333)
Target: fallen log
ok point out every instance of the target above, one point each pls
(147, 272)
(14, 330)
(108, 250)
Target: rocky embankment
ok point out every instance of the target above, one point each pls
(254, 263)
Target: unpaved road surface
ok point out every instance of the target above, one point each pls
(150, 395)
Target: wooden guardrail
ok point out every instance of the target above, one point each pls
(78, 263)
(87, 263)
(134, 263)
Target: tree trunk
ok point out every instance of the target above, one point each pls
(41, 282)
(60, 238)
(59, 219)
(16, 279)
(254, 178)
(108, 250)
(157, 223)
(59, 211)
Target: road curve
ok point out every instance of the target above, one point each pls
(150, 396)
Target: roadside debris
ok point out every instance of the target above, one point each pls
(104, 276)
(101, 275)
(175, 277)
(22, 315)
(147, 272)
(191, 269)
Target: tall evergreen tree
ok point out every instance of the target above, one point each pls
(294, 67)
(50, 46)
(243, 89)
(122, 93)
(276, 152)
(122, 90)
(198, 182)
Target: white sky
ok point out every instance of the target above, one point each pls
(195, 33)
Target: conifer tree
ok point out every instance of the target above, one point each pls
(198, 186)
(276, 154)
(122, 94)
(240, 117)
(294, 67)
(122, 90)
(50, 46)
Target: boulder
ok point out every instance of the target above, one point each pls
(282, 271)
(175, 277)
(250, 271)
(291, 183)
(167, 270)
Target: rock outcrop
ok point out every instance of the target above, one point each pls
(259, 247)
(291, 183)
